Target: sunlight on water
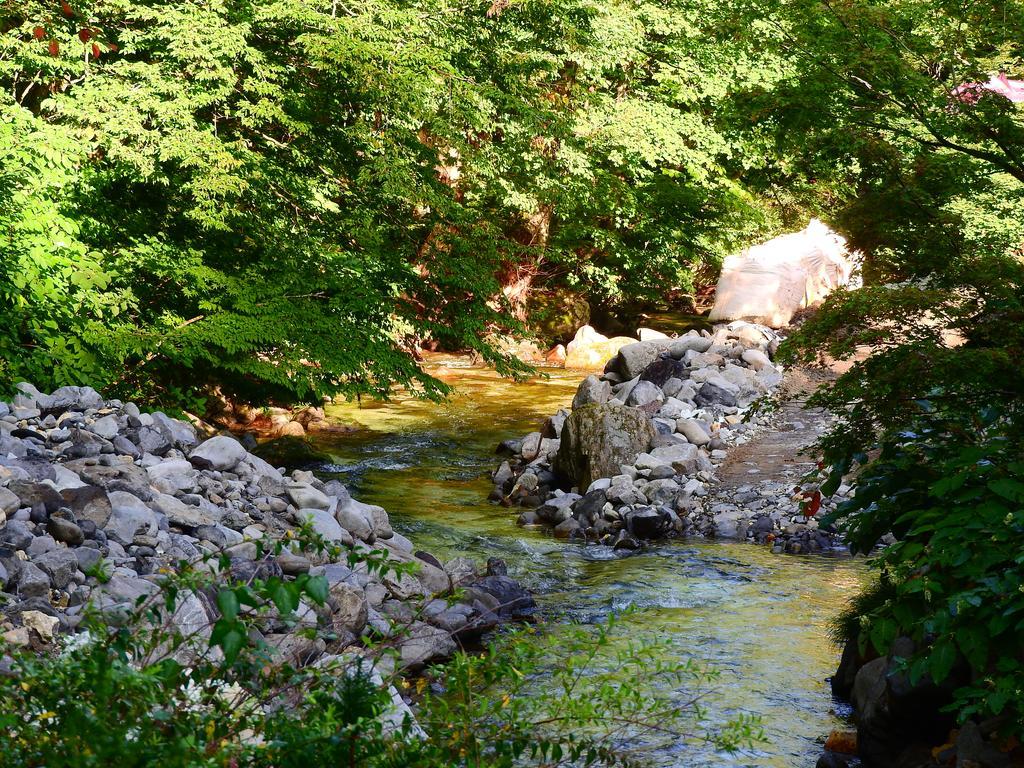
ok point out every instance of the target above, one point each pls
(759, 618)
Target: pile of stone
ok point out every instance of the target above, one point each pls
(770, 512)
(97, 497)
(638, 450)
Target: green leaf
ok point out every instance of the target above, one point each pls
(941, 659)
(227, 601)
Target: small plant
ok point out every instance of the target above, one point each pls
(139, 689)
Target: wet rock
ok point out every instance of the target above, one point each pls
(646, 523)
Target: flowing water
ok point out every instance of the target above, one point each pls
(759, 618)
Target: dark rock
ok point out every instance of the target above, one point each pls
(496, 567)
(646, 523)
(831, 760)
(514, 601)
(528, 517)
(426, 557)
(893, 715)
(65, 531)
(126, 447)
(509, 448)
(590, 506)
(663, 369)
(31, 581)
(974, 751)
(150, 440)
(566, 528)
(712, 394)
(30, 434)
(119, 476)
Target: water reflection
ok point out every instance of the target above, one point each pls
(760, 618)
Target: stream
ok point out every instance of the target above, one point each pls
(760, 619)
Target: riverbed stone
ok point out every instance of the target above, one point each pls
(712, 393)
(59, 564)
(305, 496)
(598, 438)
(644, 393)
(129, 517)
(221, 453)
(592, 390)
(633, 359)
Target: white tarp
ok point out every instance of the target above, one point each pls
(768, 283)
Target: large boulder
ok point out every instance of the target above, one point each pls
(220, 453)
(770, 282)
(590, 350)
(597, 439)
(633, 359)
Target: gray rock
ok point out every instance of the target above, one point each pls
(151, 440)
(425, 644)
(644, 393)
(756, 359)
(633, 359)
(88, 558)
(694, 431)
(714, 394)
(106, 427)
(598, 439)
(9, 502)
(184, 515)
(356, 518)
(557, 509)
(182, 434)
(221, 453)
(31, 494)
(306, 496)
(31, 581)
(173, 476)
(73, 399)
(88, 503)
(16, 535)
(324, 523)
(350, 609)
(59, 564)
(592, 390)
(129, 518)
(679, 347)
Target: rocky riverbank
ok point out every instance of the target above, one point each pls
(96, 498)
(637, 456)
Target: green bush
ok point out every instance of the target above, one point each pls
(140, 693)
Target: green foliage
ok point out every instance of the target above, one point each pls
(137, 690)
(929, 183)
(280, 198)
